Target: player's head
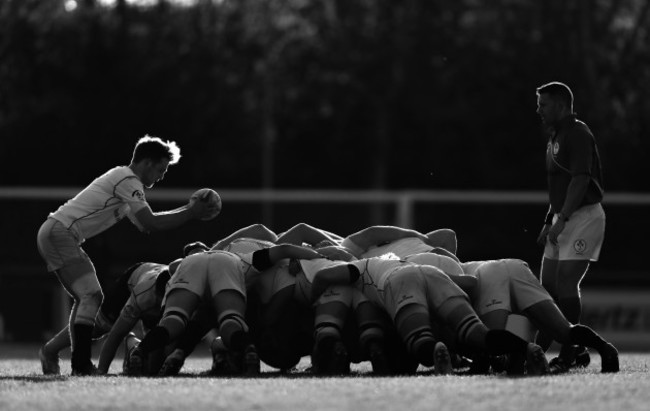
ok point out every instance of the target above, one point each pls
(554, 102)
(152, 157)
(194, 248)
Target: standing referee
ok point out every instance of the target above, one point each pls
(574, 229)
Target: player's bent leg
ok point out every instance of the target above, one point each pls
(570, 274)
(548, 277)
(414, 326)
(49, 352)
(230, 309)
(178, 308)
(81, 282)
(330, 356)
(371, 336)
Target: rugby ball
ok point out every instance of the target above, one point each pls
(211, 197)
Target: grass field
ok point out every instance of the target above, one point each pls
(22, 387)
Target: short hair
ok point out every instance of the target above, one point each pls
(557, 91)
(193, 246)
(153, 148)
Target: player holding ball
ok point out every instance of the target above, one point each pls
(116, 194)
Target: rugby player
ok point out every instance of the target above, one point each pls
(508, 286)
(574, 228)
(116, 194)
(218, 278)
(415, 296)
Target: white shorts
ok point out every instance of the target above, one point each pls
(424, 285)
(582, 236)
(507, 285)
(206, 274)
(60, 247)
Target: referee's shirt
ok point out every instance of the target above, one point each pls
(572, 151)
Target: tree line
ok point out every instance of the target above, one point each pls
(320, 94)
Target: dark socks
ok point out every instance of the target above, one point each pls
(583, 335)
(81, 346)
(571, 307)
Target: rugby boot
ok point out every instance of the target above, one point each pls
(515, 364)
(480, 365)
(536, 362)
(251, 361)
(135, 365)
(85, 370)
(582, 357)
(339, 361)
(442, 359)
(173, 363)
(49, 363)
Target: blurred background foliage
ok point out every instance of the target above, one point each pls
(319, 94)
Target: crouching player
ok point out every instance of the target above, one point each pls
(415, 296)
(139, 276)
(508, 286)
(218, 278)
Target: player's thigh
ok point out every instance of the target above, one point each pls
(548, 273)
(182, 300)
(229, 301)
(79, 279)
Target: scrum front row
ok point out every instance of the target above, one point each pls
(395, 297)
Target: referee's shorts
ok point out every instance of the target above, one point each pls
(582, 237)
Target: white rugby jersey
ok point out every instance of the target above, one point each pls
(109, 198)
(373, 275)
(305, 277)
(402, 248)
(144, 303)
(447, 264)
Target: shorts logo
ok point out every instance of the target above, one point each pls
(330, 293)
(556, 148)
(138, 194)
(580, 246)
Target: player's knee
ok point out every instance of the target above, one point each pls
(411, 319)
(174, 322)
(325, 331)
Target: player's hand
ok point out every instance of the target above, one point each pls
(555, 230)
(542, 237)
(204, 210)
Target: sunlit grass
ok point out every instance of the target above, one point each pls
(22, 387)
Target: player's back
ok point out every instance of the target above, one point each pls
(402, 248)
(102, 203)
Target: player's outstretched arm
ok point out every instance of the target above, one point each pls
(123, 325)
(282, 251)
(165, 220)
